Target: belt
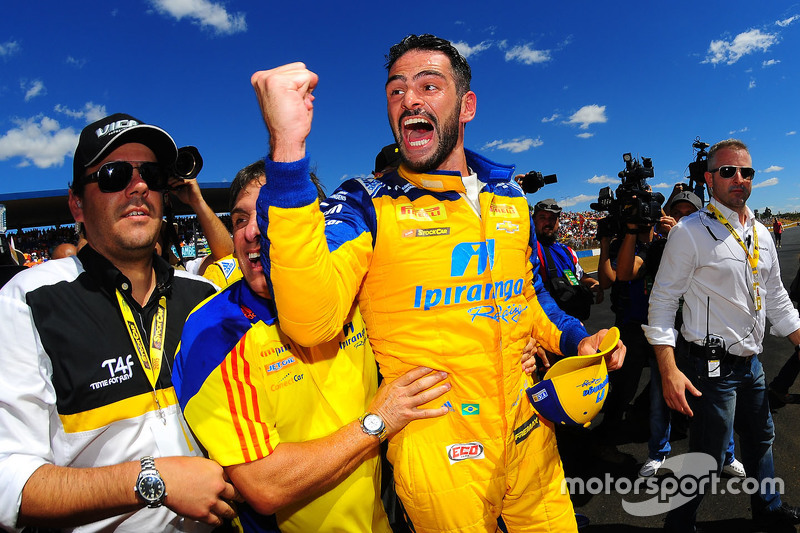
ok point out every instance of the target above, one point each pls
(695, 350)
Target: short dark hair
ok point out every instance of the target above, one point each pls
(256, 171)
(733, 144)
(251, 172)
(426, 41)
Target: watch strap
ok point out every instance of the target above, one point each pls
(148, 463)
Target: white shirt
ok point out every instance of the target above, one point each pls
(705, 264)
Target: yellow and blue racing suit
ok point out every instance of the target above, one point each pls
(443, 286)
(245, 387)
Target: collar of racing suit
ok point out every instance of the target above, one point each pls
(447, 180)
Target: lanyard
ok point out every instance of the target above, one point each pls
(150, 360)
(752, 259)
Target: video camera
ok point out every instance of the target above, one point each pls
(634, 202)
(698, 168)
(533, 181)
(188, 164)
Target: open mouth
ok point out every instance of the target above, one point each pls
(255, 259)
(418, 131)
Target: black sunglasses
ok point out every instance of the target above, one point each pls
(116, 175)
(729, 171)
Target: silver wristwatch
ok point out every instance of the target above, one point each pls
(149, 485)
(372, 424)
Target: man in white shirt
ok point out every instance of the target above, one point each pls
(725, 266)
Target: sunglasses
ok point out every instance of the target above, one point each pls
(116, 175)
(729, 171)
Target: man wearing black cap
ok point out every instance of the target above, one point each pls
(91, 433)
(559, 262)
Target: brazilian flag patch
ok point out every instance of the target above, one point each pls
(470, 409)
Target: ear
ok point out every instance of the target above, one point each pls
(468, 107)
(75, 206)
(709, 182)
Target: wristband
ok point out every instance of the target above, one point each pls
(632, 231)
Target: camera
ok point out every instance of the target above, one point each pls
(634, 202)
(188, 164)
(698, 168)
(533, 181)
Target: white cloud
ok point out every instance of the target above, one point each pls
(766, 183)
(588, 115)
(38, 140)
(574, 200)
(551, 118)
(791, 132)
(785, 22)
(734, 132)
(79, 63)
(9, 48)
(773, 168)
(770, 63)
(89, 113)
(466, 50)
(602, 180)
(527, 55)
(662, 185)
(204, 13)
(585, 135)
(520, 144)
(752, 84)
(32, 89)
(745, 43)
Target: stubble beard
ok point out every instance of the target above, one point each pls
(448, 139)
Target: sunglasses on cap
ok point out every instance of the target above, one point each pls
(729, 171)
(541, 206)
(116, 175)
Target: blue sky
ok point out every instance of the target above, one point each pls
(562, 87)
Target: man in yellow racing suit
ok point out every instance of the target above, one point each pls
(438, 255)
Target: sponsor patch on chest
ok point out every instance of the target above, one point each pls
(425, 214)
(503, 210)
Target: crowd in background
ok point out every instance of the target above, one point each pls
(577, 230)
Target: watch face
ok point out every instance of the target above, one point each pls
(373, 423)
(151, 487)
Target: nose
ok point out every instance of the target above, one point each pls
(411, 99)
(137, 183)
(251, 231)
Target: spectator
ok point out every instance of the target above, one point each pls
(80, 419)
(65, 249)
(215, 232)
(777, 230)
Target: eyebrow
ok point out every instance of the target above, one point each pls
(417, 76)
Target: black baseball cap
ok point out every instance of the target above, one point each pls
(686, 196)
(548, 204)
(100, 138)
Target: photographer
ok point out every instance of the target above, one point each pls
(624, 264)
(563, 277)
(187, 191)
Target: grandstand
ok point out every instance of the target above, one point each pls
(40, 220)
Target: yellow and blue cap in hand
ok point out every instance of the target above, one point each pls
(574, 389)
